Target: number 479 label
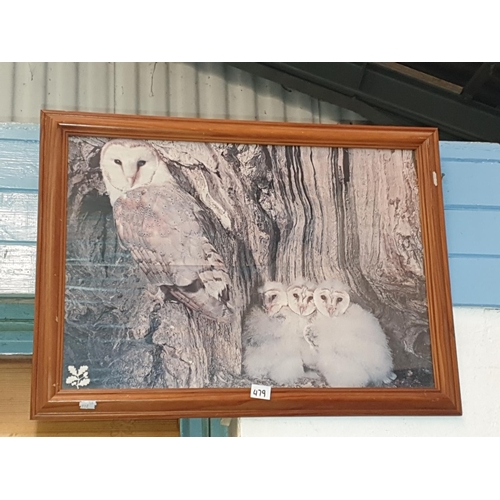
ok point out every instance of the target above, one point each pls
(260, 391)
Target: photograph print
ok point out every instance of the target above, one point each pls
(210, 265)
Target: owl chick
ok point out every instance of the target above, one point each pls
(301, 298)
(271, 345)
(301, 302)
(167, 232)
(274, 299)
(332, 298)
(351, 347)
(265, 319)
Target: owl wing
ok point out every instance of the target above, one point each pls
(171, 239)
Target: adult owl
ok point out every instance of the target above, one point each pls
(167, 232)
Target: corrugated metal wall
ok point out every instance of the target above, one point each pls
(209, 90)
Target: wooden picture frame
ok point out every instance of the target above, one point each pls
(265, 197)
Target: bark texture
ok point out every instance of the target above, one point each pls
(281, 213)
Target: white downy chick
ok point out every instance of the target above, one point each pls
(351, 347)
(332, 298)
(301, 298)
(269, 336)
(301, 302)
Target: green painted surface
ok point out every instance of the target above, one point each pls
(202, 427)
(16, 311)
(194, 427)
(217, 429)
(16, 325)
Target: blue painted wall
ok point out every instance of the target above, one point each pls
(471, 187)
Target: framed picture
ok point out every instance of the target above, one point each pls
(211, 268)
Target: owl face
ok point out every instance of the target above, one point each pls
(332, 300)
(128, 164)
(274, 298)
(301, 300)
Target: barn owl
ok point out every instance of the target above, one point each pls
(301, 298)
(301, 302)
(351, 347)
(165, 229)
(271, 343)
(274, 298)
(331, 298)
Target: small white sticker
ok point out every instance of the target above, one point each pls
(435, 178)
(260, 391)
(88, 405)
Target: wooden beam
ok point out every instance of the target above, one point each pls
(423, 77)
